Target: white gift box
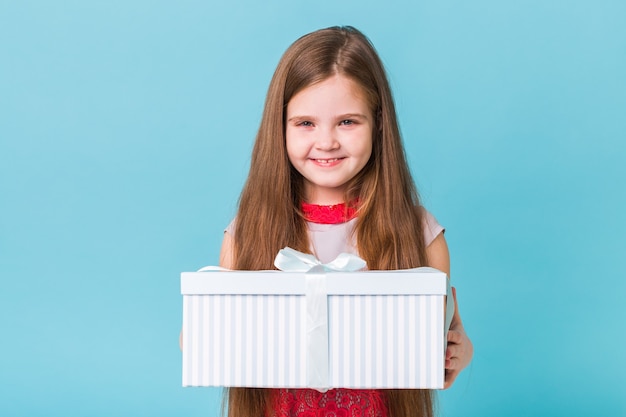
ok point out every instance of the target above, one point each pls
(368, 329)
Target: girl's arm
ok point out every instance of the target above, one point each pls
(226, 254)
(460, 350)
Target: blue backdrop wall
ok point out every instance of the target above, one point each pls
(125, 137)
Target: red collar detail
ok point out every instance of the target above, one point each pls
(335, 214)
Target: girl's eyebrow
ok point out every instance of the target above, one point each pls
(300, 118)
(339, 117)
(352, 116)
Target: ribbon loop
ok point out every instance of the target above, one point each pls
(291, 260)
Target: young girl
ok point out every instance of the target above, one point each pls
(329, 175)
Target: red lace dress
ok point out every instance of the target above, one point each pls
(338, 402)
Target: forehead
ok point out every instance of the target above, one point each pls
(333, 92)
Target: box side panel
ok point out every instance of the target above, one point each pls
(381, 341)
(438, 362)
(243, 341)
(185, 338)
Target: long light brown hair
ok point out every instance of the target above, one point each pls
(389, 230)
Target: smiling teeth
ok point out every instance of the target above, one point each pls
(326, 161)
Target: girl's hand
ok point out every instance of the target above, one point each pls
(460, 350)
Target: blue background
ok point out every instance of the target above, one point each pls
(125, 136)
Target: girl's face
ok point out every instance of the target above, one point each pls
(329, 137)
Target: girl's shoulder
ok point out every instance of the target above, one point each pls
(230, 229)
(431, 227)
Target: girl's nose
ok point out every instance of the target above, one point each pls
(326, 141)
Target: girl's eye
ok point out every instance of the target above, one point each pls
(305, 123)
(347, 122)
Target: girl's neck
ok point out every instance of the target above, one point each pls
(325, 201)
(324, 196)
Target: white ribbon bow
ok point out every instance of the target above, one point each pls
(291, 260)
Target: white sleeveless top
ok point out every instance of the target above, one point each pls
(329, 240)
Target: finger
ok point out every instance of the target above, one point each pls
(450, 377)
(454, 336)
(452, 352)
(453, 364)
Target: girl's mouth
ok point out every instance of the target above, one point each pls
(326, 162)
